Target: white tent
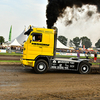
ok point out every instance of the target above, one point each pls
(21, 38)
(60, 45)
(15, 43)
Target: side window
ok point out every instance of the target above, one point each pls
(37, 37)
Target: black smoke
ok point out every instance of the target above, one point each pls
(56, 8)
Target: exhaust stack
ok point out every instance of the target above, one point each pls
(55, 39)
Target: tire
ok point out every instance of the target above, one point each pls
(84, 68)
(41, 66)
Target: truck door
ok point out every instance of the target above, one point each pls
(35, 45)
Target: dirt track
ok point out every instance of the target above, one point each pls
(9, 57)
(17, 83)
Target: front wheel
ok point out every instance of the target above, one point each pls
(84, 68)
(41, 66)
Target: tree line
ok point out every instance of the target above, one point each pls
(78, 42)
(75, 42)
(2, 40)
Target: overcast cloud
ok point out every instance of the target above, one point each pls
(21, 13)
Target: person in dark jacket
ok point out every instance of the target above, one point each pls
(95, 56)
(78, 54)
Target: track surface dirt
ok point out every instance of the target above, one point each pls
(9, 57)
(18, 83)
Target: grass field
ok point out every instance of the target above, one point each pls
(16, 54)
(10, 61)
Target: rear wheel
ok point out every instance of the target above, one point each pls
(84, 68)
(41, 66)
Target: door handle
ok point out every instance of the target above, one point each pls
(40, 47)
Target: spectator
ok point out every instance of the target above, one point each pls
(8, 48)
(95, 56)
(87, 54)
(78, 53)
(16, 48)
(84, 52)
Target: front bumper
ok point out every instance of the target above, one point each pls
(27, 62)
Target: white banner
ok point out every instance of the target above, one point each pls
(74, 54)
(2, 51)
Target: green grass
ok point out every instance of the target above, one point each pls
(17, 54)
(95, 63)
(9, 61)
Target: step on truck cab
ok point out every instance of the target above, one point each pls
(40, 49)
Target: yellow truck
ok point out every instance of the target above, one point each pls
(40, 49)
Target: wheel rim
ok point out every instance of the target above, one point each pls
(85, 68)
(41, 66)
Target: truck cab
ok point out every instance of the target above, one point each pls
(39, 45)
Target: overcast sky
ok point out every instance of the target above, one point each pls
(21, 13)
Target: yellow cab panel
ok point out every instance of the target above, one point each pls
(39, 43)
